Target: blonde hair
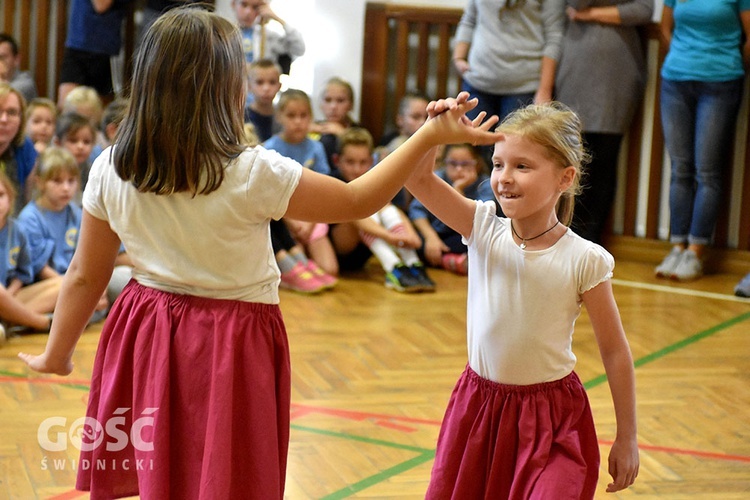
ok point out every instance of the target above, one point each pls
(41, 102)
(250, 137)
(5, 91)
(184, 120)
(56, 160)
(294, 95)
(355, 136)
(84, 96)
(557, 129)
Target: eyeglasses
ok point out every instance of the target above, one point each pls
(12, 112)
(460, 164)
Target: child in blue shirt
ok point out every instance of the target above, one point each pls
(294, 113)
(23, 303)
(463, 167)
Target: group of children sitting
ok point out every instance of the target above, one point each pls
(40, 218)
(403, 235)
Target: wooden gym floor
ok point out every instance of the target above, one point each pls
(373, 370)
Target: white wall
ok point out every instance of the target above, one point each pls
(334, 33)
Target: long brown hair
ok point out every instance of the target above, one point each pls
(184, 120)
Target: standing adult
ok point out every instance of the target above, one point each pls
(11, 56)
(701, 90)
(601, 76)
(507, 52)
(94, 36)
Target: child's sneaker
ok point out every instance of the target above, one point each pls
(669, 264)
(456, 262)
(688, 268)
(743, 287)
(420, 273)
(322, 276)
(402, 280)
(299, 279)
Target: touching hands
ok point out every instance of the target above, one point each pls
(448, 123)
(623, 464)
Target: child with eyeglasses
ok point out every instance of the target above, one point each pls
(463, 167)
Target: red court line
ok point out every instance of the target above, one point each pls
(68, 495)
(301, 410)
(693, 453)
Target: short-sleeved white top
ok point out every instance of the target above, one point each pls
(522, 305)
(216, 245)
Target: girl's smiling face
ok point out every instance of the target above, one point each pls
(525, 180)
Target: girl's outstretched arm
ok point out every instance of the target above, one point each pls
(82, 287)
(618, 364)
(325, 199)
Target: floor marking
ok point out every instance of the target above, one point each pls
(681, 291)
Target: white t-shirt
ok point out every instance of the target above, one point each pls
(522, 305)
(216, 245)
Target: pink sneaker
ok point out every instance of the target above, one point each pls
(299, 279)
(456, 262)
(322, 276)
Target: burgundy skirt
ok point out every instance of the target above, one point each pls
(516, 442)
(190, 398)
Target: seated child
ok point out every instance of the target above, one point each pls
(52, 221)
(41, 116)
(86, 102)
(24, 305)
(463, 167)
(294, 114)
(336, 104)
(76, 134)
(412, 113)
(263, 83)
(388, 233)
(111, 118)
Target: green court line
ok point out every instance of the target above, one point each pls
(380, 477)
(674, 347)
(354, 437)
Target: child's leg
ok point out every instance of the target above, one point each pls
(15, 311)
(41, 296)
(320, 249)
(390, 218)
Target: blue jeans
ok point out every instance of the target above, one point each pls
(496, 104)
(698, 120)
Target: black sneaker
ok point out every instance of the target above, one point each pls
(420, 273)
(401, 279)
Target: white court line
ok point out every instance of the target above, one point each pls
(680, 291)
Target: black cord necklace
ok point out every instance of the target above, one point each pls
(524, 240)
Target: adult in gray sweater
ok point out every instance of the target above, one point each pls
(506, 52)
(601, 76)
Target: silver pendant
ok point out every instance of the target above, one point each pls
(523, 245)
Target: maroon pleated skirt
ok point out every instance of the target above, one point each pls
(190, 398)
(516, 442)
